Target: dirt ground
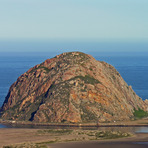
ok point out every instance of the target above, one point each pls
(15, 136)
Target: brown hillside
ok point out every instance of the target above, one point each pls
(71, 87)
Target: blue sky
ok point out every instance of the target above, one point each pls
(74, 20)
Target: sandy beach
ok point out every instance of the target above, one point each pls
(14, 136)
(137, 141)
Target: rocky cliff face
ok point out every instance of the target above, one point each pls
(71, 87)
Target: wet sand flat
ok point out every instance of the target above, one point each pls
(101, 145)
(138, 141)
(15, 136)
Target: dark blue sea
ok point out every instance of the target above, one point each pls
(132, 67)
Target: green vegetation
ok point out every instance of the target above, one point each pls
(45, 68)
(77, 135)
(75, 58)
(47, 142)
(90, 69)
(27, 145)
(140, 113)
(88, 79)
(111, 135)
(60, 131)
(40, 67)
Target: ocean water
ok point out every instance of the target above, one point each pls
(3, 126)
(133, 68)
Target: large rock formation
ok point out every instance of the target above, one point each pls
(71, 87)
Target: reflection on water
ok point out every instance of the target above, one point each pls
(127, 129)
(142, 130)
(122, 129)
(143, 143)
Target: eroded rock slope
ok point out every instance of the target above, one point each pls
(71, 87)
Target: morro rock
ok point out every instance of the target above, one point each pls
(71, 87)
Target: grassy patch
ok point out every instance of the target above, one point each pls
(40, 67)
(138, 114)
(60, 131)
(88, 79)
(78, 135)
(143, 122)
(27, 145)
(47, 142)
(111, 135)
(45, 68)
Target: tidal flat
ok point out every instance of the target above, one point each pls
(62, 138)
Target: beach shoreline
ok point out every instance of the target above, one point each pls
(20, 132)
(135, 123)
(21, 136)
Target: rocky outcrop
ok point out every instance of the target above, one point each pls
(71, 87)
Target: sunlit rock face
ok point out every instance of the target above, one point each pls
(72, 87)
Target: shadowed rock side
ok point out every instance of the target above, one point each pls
(71, 87)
